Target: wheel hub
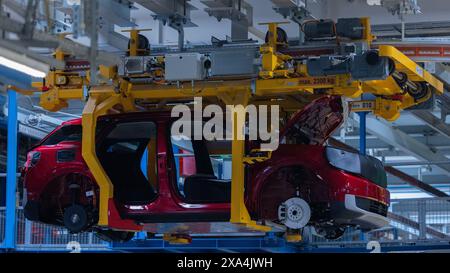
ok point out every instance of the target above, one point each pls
(76, 218)
(294, 213)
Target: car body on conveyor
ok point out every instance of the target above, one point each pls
(160, 180)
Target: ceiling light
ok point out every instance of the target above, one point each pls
(24, 60)
(22, 68)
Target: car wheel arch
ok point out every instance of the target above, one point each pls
(266, 189)
(59, 185)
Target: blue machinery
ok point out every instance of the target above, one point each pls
(362, 132)
(21, 80)
(11, 170)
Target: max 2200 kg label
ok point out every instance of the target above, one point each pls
(223, 263)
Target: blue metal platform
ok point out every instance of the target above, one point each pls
(267, 244)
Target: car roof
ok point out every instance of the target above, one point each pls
(76, 121)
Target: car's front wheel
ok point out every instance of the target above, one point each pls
(294, 213)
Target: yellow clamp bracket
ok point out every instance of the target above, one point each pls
(108, 72)
(21, 91)
(292, 237)
(272, 61)
(177, 239)
(59, 54)
(134, 40)
(257, 156)
(273, 32)
(387, 109)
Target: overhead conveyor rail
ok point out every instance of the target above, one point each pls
(279, 74)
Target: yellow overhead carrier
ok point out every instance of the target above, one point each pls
(277, 78)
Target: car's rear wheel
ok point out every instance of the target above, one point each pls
(76, 218)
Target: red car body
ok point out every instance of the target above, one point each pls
(338, 198)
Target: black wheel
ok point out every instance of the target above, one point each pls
(76, 218)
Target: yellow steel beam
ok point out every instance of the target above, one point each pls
(134, 42)
(367, 36)
(385, 87)
(411, 68)
(239, 212)
(187, 90)
(97, 106)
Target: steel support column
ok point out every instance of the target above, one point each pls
(11, 173)
(362, 132)
(422, 219)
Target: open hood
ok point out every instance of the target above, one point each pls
(315, 123)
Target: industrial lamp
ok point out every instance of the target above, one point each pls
(24, 62)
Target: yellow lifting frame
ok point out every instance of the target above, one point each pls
(239, 212)
(94, 108)
(103, 98)
(232, 92)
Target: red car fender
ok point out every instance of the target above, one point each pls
(57, 173)
(258, 183)
(285, 157)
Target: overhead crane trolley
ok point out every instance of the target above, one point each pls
(229, 73)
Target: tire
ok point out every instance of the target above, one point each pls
(76, 218)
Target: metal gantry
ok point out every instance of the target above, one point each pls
(274, 80)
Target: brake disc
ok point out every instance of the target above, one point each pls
(294, 213)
